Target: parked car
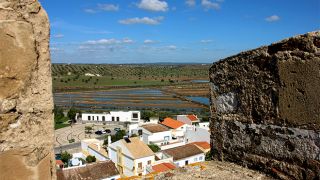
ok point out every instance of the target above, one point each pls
(104, 132)
(108, 131)
(98, 132)
(117, 129)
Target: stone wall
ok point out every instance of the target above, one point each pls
(265, 106)
(26, 119)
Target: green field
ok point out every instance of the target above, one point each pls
(79, 76)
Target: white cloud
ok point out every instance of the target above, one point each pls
(107, 42)
(207, 4)
(206, 41)
(90, 11)
(272, 18)
(153, 5)
(108, 7)
(148, 41)
(191, 2)
(58, 36)
(144, 20)
(127, 41)
(172, 47)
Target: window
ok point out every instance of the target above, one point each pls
(135, 115)
(140, 174)
(200, 158)
(140, 165)
(187, 162)
(118, 118)
(103, 118)
(112, 118)
(195, 159)
(177, 164)
(89, 118)
(97, 118)
(149, 162)
(93, 118)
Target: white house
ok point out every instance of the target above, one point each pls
(112, 116)
(94, 147)
(178, 128)
(197, 134)
(184, 155)
(160, 135)
(188, 119)
(131, 156)
(204, 125)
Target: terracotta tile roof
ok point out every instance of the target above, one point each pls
(137, 148)
(155, 128)
(59, 162)
(163, 167)
(172, 123)
(99, 170)
(202, 144)
(193, 117)
(184, 151)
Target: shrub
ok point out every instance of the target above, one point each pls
(91, 159)
(154, 147)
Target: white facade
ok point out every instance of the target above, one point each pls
(112, 116)
(126, 163)
(197, 134)
(186, 119)
(204, 125)
(93, 147)
(190, 160)
(180, 131)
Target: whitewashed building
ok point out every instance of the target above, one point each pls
(160, 135)
(197, 134)
(112, 116)
(94, 148)
(131, 156)
(178, 128)
(184, 155)
(188, 119)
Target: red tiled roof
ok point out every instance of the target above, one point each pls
(163, 167)
(172, 123)
(193, 117)
(202, 144)
(59, 162)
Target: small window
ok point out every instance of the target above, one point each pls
(112, 118)
(187, 162)
(195, 159)
(200, 158)
(89, 118)
(97, 118)
(135, 115)
(103, 118)
(140, 165)
(140, 174)
(118, 118)
(93, 118)
(177, 164)
(149, 162)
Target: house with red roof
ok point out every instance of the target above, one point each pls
(178, 128)
(203, 145)
(190, 119)
(162, 167)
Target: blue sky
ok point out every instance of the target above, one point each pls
(142, 31)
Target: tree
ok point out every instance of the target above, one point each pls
(91, 159)
(65, 157)
(58, 113)
(119, 135)
(88, 129)
(208, 156)
(72, 113)
(154, 147)
(147, 114)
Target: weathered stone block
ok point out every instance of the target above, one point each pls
(272, 120)
(26, 119)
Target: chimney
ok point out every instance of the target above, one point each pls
(109, 140)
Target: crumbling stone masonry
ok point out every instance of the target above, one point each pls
(26, 119)
(265, 106)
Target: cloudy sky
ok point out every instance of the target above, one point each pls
(141, 31)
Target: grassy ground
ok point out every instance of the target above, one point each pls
(61, 123)
(76, 75)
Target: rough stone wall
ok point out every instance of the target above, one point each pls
(265, 106)
(26, 119)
